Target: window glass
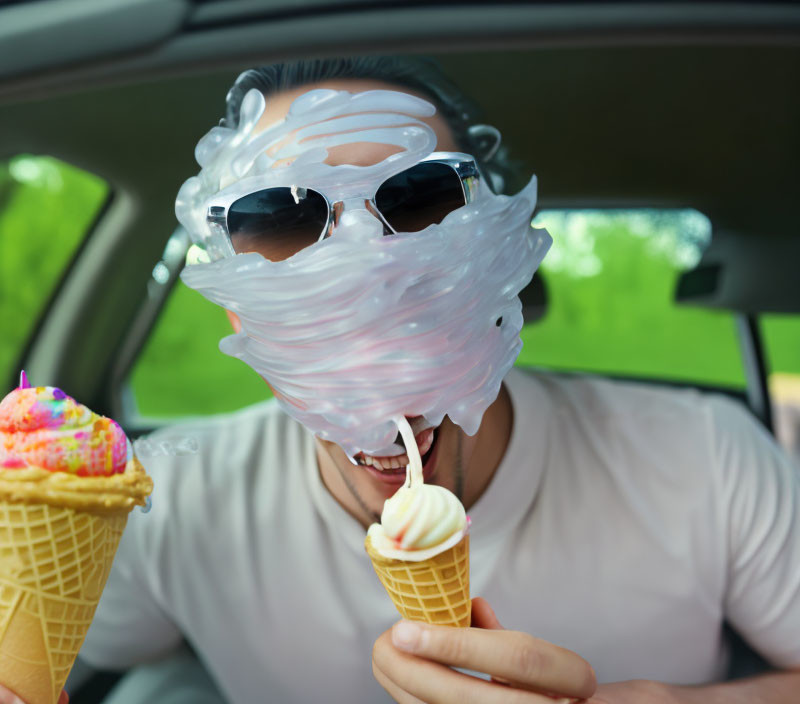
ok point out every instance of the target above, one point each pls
(181, 371)
(782, 347)
(46, 209)
(610, 278)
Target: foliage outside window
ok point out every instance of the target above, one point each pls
(610, 278)
(181, 371)
(782, 346)
(46, 209)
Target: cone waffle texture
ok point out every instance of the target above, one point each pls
(435, 590)
(54, 563)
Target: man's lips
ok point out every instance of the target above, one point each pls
(424, 441)
(396, 477)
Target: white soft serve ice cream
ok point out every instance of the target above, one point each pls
(420, 520)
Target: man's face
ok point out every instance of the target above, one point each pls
(360, 154)
(446, 450)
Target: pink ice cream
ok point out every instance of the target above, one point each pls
(43, 427)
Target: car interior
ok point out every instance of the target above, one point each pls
(641, 107)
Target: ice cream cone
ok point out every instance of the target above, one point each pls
(434, 590)
(58, 537)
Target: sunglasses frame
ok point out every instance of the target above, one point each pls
(464, 165)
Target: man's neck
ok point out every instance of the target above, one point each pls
(493, 439)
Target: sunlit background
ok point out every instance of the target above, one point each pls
(610, 280)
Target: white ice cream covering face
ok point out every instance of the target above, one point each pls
(361, 328)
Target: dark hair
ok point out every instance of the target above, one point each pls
(423, 75)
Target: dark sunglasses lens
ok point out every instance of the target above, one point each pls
(277, 222)
(419, 196)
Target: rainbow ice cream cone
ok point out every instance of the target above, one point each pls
(68, 480)
(420, 549)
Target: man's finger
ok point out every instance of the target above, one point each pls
(515, 657)
(483, 615)
(433, 683)
(8, 697)
(395, 692)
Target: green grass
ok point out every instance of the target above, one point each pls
(46, 208)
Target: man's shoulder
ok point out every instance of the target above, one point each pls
(207, 470)
(626, 400)
(257, 413)
(628, 425)
(229, 446)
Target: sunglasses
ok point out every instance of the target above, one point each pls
(282, 220)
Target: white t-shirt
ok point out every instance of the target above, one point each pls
(625, 522)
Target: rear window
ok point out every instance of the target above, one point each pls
(181, 371)
(46, 210)
(782, 349)
(610, 278)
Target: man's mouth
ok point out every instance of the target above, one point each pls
(424, 439)
(391, 468)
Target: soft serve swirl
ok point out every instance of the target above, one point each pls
(420, 520)
(422, 517)
(43, 427)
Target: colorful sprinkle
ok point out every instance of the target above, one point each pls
(44, 427)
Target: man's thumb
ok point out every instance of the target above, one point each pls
(483, 615)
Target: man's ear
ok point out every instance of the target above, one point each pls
(235, 322)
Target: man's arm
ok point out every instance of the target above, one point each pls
(757, 496)
(131, 624)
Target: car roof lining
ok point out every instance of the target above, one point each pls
(60, 45)
(613, 112)
(601, 119)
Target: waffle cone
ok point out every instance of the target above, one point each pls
(435, 590)
(58, 537)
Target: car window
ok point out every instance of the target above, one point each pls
(782, 349)
(610, 279)
(46, 209)
(181, 371)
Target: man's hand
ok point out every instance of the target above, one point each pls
(412, 662)
(8, 697)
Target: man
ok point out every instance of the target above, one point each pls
(615, 526)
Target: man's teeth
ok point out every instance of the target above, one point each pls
(424, 442)
(386, 462)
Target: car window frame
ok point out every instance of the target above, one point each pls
(44, 311)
